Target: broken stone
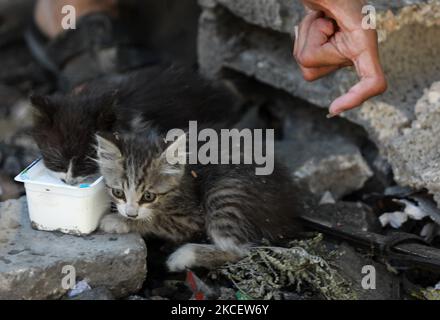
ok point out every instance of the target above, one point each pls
(414, 154)
(340, 173)
(352, 214)
(319, 157)
(31, 261)
(327, 198)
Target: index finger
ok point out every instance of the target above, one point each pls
(372, 83)
(372, 79)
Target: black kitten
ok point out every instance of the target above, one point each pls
(64, 129)
(65, 125)
(172, 97)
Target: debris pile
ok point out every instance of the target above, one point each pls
(268, 271)
(403, 205)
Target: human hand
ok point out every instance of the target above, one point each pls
(331, 37)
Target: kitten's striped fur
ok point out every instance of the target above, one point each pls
(227, 204)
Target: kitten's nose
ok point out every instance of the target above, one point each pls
(70, 181)
(132, 212)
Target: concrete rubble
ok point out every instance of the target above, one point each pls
(414, 154)
(346, 214)
(334, 166)
(254, 39)
(31, 262)
(320, 155)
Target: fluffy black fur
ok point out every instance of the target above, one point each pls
(171, 98)
(64, 128)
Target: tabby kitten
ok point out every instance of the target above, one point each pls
(226, 204)
(65, 125)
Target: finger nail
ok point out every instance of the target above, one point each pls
(333, 115)
(296, 32)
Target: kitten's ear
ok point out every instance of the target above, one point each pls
(44, 108)
(109, 154)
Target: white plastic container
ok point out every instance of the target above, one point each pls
(55, 206)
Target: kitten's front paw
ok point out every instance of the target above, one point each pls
(182, 259)
(114, 223)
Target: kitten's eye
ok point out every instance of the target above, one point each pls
(149, 197)
(118, 193)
